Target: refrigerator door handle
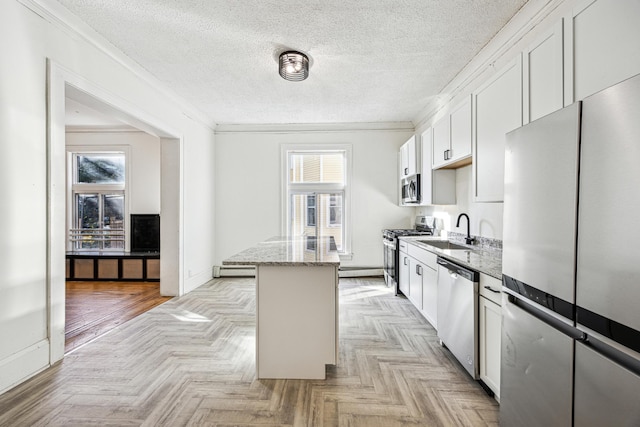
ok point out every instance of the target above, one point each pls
(570, 331)
(626, 361)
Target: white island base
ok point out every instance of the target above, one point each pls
(297, 320)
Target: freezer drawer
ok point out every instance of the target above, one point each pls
(606, 394)
(536, 371)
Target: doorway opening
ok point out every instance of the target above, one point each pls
(119, 284)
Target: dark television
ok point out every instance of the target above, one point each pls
(145, 233)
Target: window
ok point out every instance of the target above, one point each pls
(98, 201)
(311, 211)
(316, 189)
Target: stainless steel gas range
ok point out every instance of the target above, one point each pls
(424, 227)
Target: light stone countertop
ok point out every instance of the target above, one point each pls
(289, 251)
(483, 259)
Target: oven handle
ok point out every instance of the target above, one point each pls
(391, 244)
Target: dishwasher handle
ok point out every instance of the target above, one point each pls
(459, 270)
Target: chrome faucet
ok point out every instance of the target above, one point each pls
(468, 240)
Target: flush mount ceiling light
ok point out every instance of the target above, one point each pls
(294, 66)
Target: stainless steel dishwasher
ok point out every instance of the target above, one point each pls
(458, 312)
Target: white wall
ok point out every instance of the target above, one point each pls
(144, 164)
(485, 218)
(248, 194)
(26, 42)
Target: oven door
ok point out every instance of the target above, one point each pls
(389, 247)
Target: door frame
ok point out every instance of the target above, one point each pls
(62, 82)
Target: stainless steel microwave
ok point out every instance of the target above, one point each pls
(411, 189)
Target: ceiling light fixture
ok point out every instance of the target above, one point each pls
(294, 66)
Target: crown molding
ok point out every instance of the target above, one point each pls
(490, 57)
(59, 16)
(316, 127)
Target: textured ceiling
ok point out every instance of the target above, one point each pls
(371, 61)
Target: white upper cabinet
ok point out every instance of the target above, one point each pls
(461, 131)
(441, 141)
(602, 46)
(437, 186)
(404, 160)
(408, 158)
(498, 110)
(452, 137)
(543, 75)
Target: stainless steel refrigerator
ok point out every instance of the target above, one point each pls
(571, 265)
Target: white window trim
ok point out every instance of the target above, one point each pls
(285, 149)
(71, 150)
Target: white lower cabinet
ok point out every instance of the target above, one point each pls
(419, 283)
(419, 277)
(490, 330)
(415, 282)
(430, 295)
(423, 284)
(403, 280)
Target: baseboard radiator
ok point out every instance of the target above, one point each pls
(250, 271)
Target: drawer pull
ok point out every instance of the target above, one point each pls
(491, 289)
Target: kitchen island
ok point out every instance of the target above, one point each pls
(296, 305)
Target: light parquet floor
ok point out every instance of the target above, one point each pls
(190, 362)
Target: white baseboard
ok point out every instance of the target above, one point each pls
(197, 279)
(234, 271)
(24, 364)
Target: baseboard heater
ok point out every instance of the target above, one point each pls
(250, 271)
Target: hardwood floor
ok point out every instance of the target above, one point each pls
(94, 308)
(191, 362)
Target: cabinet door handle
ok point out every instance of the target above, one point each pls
(406, 171)
(445, 154)
(489, 288)
(406, 261)
(419, 270)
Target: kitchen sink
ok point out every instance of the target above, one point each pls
(444, 244)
